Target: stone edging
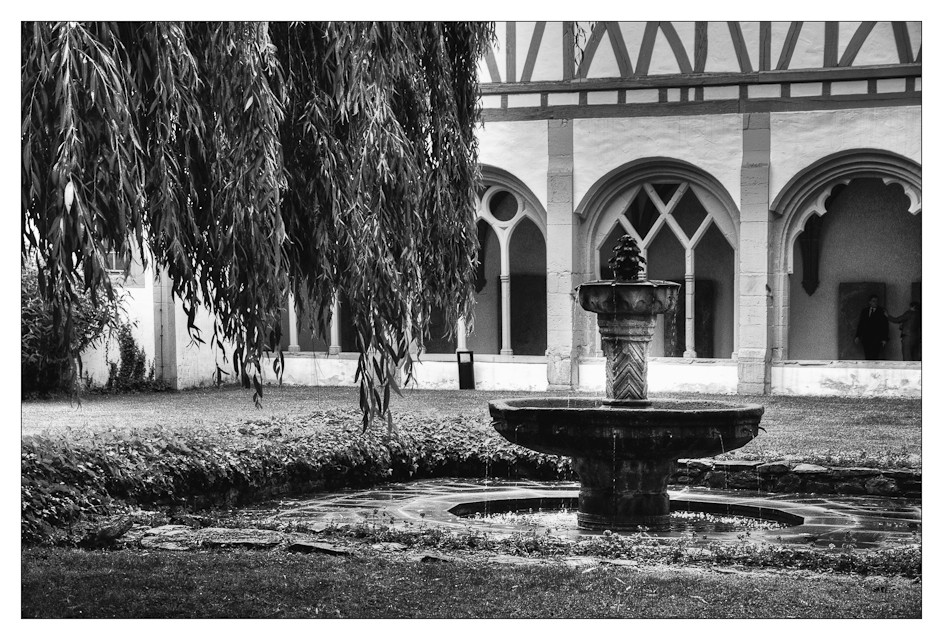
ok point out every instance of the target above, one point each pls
(788, 477)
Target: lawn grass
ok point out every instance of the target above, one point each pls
(882, 432)
(69, 583)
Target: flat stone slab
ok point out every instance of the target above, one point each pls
(696, 463)
(434, 557)
(389, 546)
(808, 468)
(774, 467)
(305, 546)
(178, 537)
(619, 562)
(853, 472)
(736, 465)
(580, 562)
(512, 560)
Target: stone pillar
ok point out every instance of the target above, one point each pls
(753, 355)
(562, 356)
(689, 351)
(292, 325)
(506, 314)
(165, 332)
(335, 346)
(625, 343)
(623, 494)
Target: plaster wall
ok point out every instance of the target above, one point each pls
(496, 376)
(306, 369)
(317, 370)
(139, 311)
(669, 375)
(519, 148)
(799, 138)
(196, 363)
(712, 143)
(847, 379)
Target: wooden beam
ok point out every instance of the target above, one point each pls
(789, 46)
(531, 60)
(806, 103)
(568, 49)
(766, 45)
(740, 46)
(492, 65)
(831, 44)
(712, 79)
(854, 46)
(594, 39)
(904, 51)
(510, 46)
(645, 52)
(618, 46)
(677, 47)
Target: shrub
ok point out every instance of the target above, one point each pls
(45, 368)
(131, 372)
(64, 484)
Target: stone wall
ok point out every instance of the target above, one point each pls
(788, 477)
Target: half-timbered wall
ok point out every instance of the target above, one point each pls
(751, 109)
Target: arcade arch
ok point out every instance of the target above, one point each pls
(687, 228)
(848, 225)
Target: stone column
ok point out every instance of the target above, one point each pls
(506, 314)
(623, 494)
(562, 355)
(625, 343)
(292, 325)
(689, 351)
(335, 346)
(753, 355)
(165, 332)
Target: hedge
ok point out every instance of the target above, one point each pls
(65, 483)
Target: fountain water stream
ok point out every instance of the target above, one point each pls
(625, 447)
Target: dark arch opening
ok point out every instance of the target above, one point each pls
(528, 271)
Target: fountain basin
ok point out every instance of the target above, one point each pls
(591, 427)
(636, 297)
(624, 455)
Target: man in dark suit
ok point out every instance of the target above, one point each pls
(872, 329)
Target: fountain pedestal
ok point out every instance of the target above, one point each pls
(623, 493)
(625, 343)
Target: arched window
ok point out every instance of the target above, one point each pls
(686, 236)
(865, 243)
(511, 291)
(831, 220)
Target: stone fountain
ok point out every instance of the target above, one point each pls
(625, 447)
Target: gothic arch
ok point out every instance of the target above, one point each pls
(531, 205)
(504, 203)
(622, 182)
(805, 194)
(664, 188)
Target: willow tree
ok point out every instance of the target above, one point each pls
(254, 160)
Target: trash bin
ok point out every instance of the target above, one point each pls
(466, 369)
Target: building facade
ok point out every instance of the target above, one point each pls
(771, 168)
